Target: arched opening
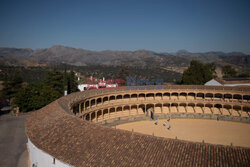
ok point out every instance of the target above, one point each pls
(237, 97)
(228, 96)
(150, 96)
(126, 110)
(141, 109)
(182, 107)
(92, 102)
(236, 107)
(191, 96)
(99, 115)
(87, 117)
(105, 99)
(112, 113)
(119, 111)
(190, 108)
(111, 98)
(209, 96)
(199, 108)
(207, 109)
(150, 110)
(216, 109)
(134, 97)
(173, 108)
(141, 96)
(93, 118)
(105, 114)
(166, 108)
(158, 108)
(133, 110)
(246, 109)
(166, 96)
(246, 97)
(183, 96)
(174, 95)
(158, 96)
(200, 96)
(119, 98)
(126, 97)
(86, 104)
(99, 100)
(217, 96)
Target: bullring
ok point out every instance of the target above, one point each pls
(72, 131)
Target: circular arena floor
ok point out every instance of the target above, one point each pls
(197, 130)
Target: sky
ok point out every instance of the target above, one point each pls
(156, 25)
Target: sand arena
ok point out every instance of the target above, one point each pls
(197, 130)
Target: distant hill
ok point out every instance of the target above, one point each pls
(143, 58)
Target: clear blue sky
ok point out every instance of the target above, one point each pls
(161, 26)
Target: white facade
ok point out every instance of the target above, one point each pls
(82, 87)
(239, 84)
(213, 82)
(39, 158)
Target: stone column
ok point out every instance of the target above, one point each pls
(84, 106)
(202, 109)
(96, 119)
(102, 115)
(80, 108)
(129, 110)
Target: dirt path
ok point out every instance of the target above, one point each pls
(211, 131)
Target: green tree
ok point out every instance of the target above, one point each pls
(72, 82)
(228, 71)
(243, 75)
(55, 83)
(198, 73)
(11, 85)
(33, 96)
(123, 74)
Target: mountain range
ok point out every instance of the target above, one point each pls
(143, 58)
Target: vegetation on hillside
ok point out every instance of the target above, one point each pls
(35, 95)
(198, 73)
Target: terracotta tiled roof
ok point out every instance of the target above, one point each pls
(234, 81)
(81, 143)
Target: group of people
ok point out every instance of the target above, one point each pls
(164, 123)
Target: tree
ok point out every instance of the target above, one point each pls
(198, 73)
(228, 71)
(11, 85)
(72, 85)
(123, 74)
(33, 96)
(55, 83)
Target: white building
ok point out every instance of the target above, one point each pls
(101, 84)
(40, 158)
(229, 82)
